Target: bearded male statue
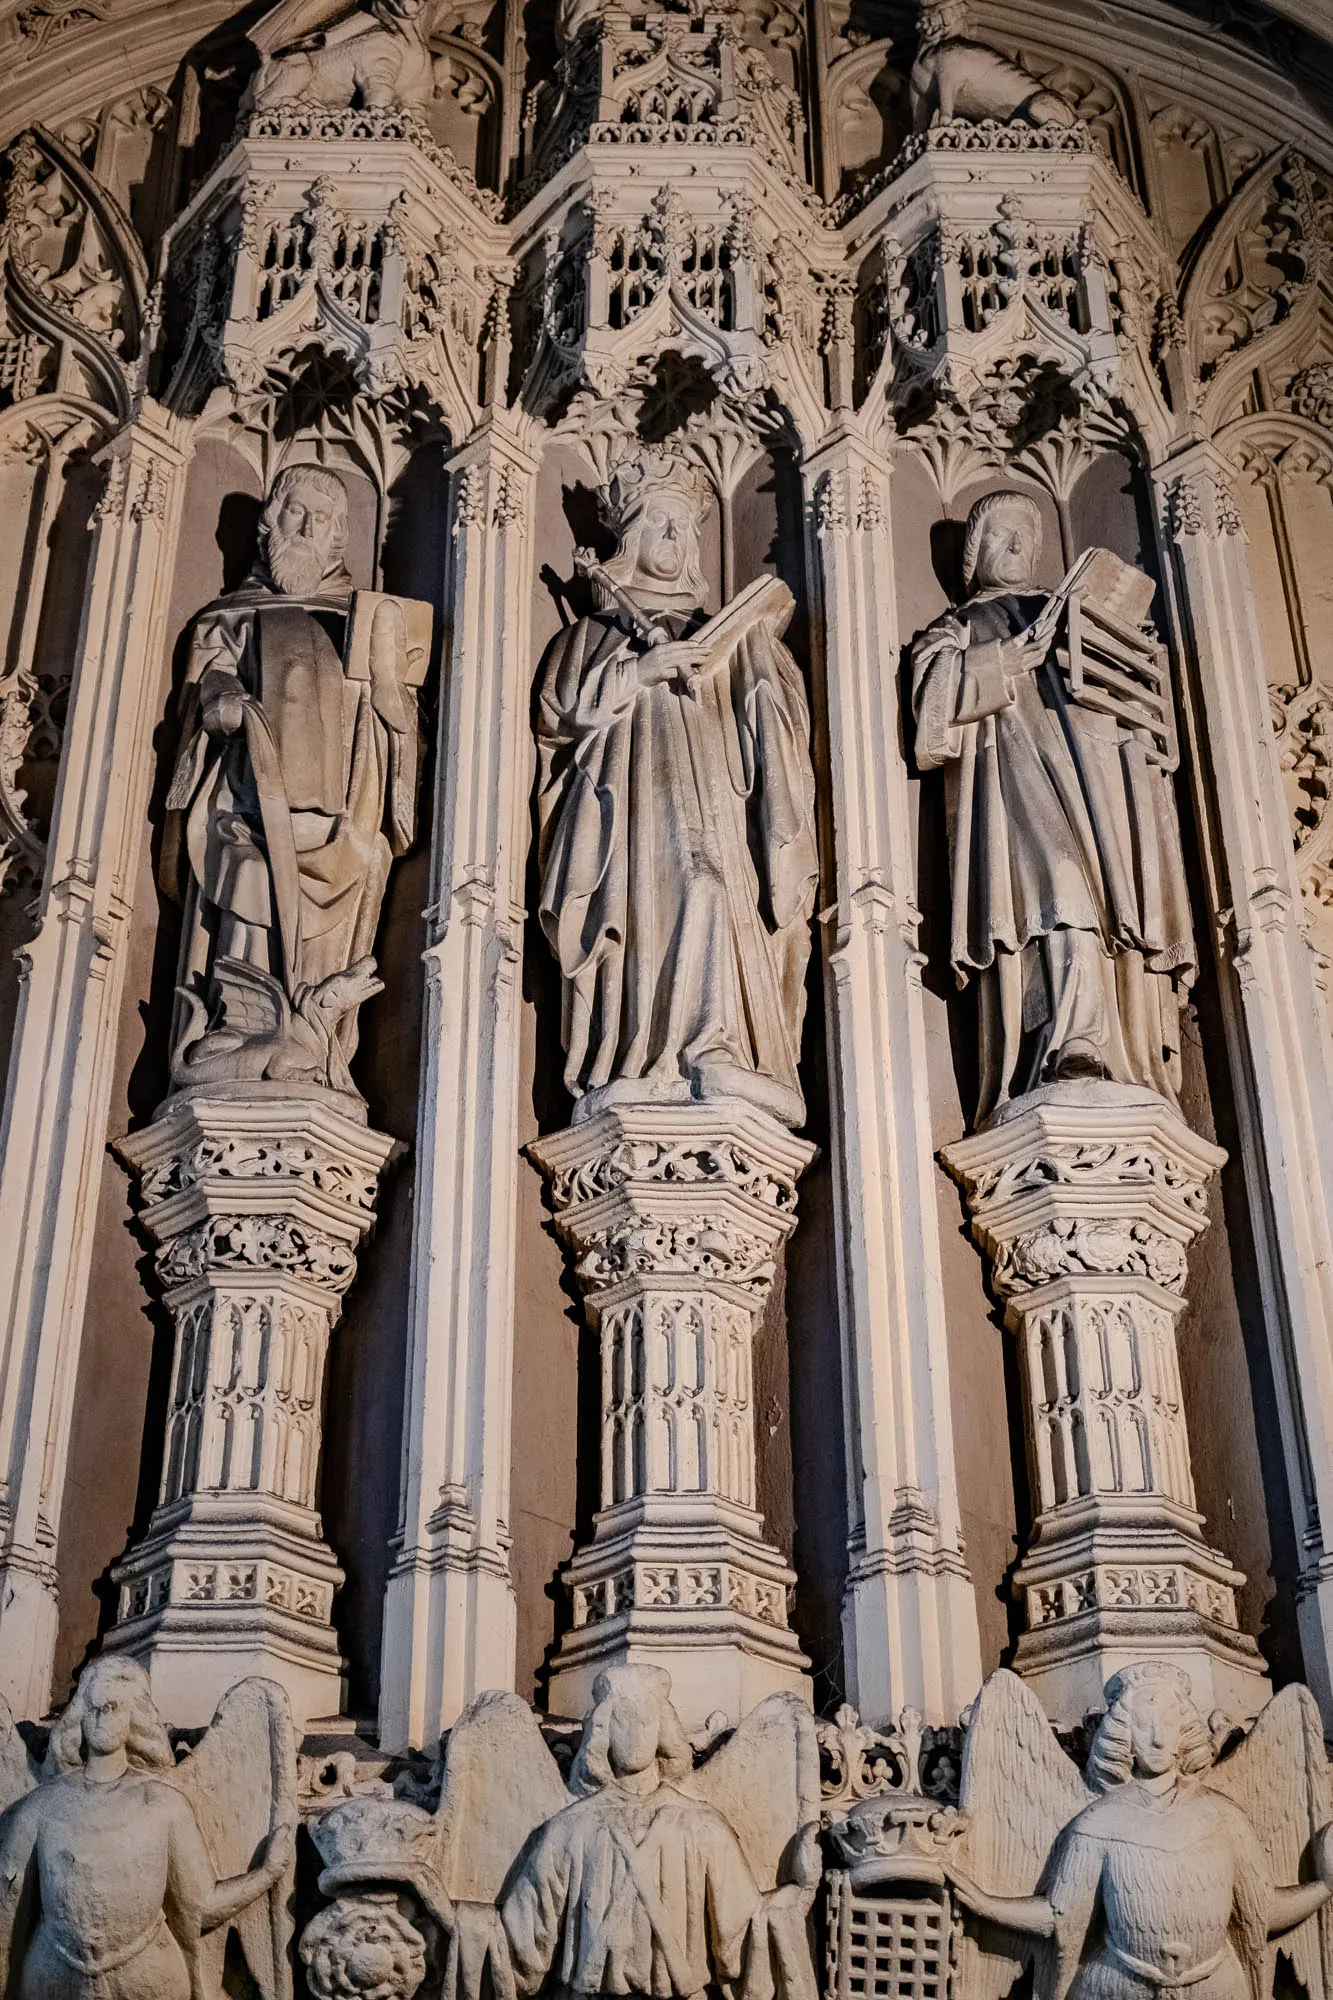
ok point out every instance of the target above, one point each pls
(1068, 887)
(678, 859)
(294, 789)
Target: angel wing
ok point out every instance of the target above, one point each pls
(1018, 1791)
(240, 1781)
(253, 1002)
(764, 1780)
(18, 1774)
(1279, 1777)
(500, 1784)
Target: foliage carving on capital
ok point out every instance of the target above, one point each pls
(1066, 1248)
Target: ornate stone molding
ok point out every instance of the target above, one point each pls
(675, 1214)
(257, 1198)
(1086, 1197)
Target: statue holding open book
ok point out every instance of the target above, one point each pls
(1051, 715)
(678, 857)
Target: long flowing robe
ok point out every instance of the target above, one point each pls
(1068, 887)
(678, 866)
(288, 827)
(1168, 1899)
(626, 1895)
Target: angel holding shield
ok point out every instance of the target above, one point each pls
(109, 1887)
(1154, 1877)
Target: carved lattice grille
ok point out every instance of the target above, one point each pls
(887, 1947)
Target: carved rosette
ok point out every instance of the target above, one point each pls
(675, 1216)
(1086, 1196)
(256, 1198)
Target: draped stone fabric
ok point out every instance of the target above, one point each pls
(678, 867)
(1068, 886)
(288, 825)
(1180, 1880)
(622, 1894)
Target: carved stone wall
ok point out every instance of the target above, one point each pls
(850, 270)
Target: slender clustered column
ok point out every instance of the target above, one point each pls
(257, 1205)
(1086, 1197)
(676, 1215)
(678, 874)
(294, 788)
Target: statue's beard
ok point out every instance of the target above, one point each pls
(298, 566)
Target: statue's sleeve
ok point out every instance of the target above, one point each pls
(733, 1902)
(591, 681)
(18, 1884)
(777, 773)
(533, 1910)
(954, 682)
(1072, 1881)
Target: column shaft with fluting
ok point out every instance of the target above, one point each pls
(1086, 1196)
(675, 1215)
(257, 1198)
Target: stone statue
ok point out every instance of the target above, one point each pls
(955, 77)
(336, 55)
(1069, 894)
(646, 1875)
(1154, 1876)
(294, 788)
(678, 858)
(123, 1872)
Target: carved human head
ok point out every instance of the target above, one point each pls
(654, 502)
(1002, 544)
(303, 529)
(1151, 1728)
(632, 1727)
(112, 1709)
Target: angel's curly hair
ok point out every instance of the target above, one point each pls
(1007, 500)
(1111, 1758)
(638, 1685)
(148, 1747)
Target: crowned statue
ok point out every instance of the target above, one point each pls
(678, 856)
(1161, 1871)
(294, 789)
(1069, 901)
(124, 1874)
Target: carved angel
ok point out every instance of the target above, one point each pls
(123, 1873)
(1154, 1875)
(645, 1875)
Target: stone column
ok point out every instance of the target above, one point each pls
(1277, 1036)
(1086, 1197)
(675, 1214)
(63, 1051)
(257, 1197)
(449, 1614)
(909, 1618)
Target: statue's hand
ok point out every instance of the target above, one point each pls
(225, 713)
(1024, 653)
(279, 1850)
(669, 660)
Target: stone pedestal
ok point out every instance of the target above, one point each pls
(1086, 1197)
(675, 1214)
(257, 1197)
